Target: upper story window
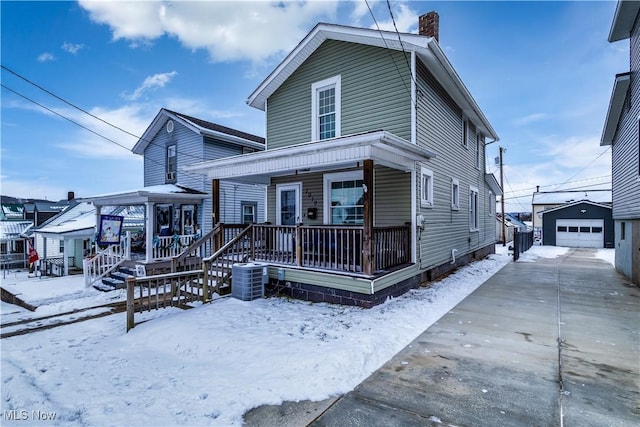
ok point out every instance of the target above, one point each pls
(478, 149)
(465, 133)
(172, 163)
(326, 108)
(426, 188)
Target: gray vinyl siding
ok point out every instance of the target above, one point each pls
(440, 123)
(375, 90)
(191, 148)
(625, 147)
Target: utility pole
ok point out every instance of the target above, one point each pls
(502, 199)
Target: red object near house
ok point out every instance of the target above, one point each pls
(33, 254)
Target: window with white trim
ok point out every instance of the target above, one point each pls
(171, 163)
(478, 149)
(455, 194)
(426, 188)
(344, 197)
(473, 209)
(326, 108)
(465, 132)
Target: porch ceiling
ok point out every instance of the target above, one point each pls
(382, 147)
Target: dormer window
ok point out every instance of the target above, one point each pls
(172, 164)
(326, 109)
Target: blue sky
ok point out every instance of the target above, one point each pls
(542, 72)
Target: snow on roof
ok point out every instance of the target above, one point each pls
(561, 197)
(83, 217)
(12, 229)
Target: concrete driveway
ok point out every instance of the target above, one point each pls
(547, 343)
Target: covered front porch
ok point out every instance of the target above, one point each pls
(169, 222)
(345, 205)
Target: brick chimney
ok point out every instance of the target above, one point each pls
(70, 196)
(429, 25)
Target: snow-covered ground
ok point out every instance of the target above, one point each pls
(208, 365)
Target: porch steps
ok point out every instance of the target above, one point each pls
(116, 280)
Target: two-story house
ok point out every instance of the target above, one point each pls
(174, 207)
(375, 166)
(621, 132)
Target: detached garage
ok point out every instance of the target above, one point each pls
(581, 224)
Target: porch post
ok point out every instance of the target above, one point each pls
(367, 235)
(149, 231)
(65, 255)
(95, 235)
(215, 202)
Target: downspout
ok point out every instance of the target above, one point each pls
(453, 256)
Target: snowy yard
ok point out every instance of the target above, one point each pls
(208, 365)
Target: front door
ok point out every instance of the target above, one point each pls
(288, 213)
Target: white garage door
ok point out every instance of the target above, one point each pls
(580, 233)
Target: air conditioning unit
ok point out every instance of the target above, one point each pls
(248, 280)
(171, 176)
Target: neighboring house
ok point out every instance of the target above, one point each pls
(511, 225)
(544, 200)
(176, 205)
(375, 166)
(70, 235)
(174, 140)
(17, 218)
(581, 224)
(12, 242)
(621, 131)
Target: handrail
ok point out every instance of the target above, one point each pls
(217, 267)
(106, 261)
(197, 246)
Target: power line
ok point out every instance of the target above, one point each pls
(390, 53)
(85, 128)
(87, 113)
(590, 163)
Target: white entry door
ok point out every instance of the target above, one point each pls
(288, 212)
(580, 233)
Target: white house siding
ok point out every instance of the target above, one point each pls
(440, 130)
(374, 96)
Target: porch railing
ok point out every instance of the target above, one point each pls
(165, 247)
(339, 248)
(106, 261)
(162, 291)
(191, 258)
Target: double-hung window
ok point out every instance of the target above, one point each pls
(426, 188)
(473, 209)
(326, 109)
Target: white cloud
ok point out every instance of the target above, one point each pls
(46, 56)
(406, 19)
(243, 30)
(535, 117)
(72, 48)
(151, 82)
(360, 10)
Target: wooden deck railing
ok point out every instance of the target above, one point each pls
(331, 247)
(218, 267)
(191, 258)
(162, 291)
